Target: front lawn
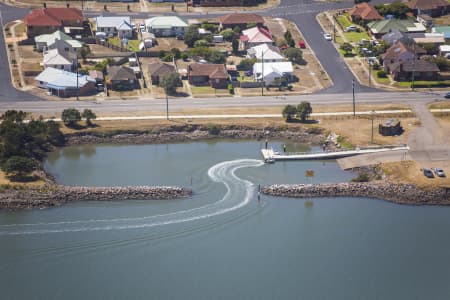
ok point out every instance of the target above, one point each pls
(133, 45)
(356, 37)
(207, 90)
(344, 21)
(381, 80)
(424, 84)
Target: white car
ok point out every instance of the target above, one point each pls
(351, 28)
(327, 36)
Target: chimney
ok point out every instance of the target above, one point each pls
(45, 5)
(68, 5)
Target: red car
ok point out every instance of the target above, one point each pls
(302, 44)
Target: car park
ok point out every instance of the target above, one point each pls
(428, 173)
(327, 36)
(439, 172)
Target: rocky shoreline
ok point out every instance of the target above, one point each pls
(398, 193)
(192, 132)
(55, 195)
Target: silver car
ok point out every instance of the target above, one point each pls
(439, 172)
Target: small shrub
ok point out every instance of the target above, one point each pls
(362, 177)
(14, 62)
(382, 74)
(213, 129)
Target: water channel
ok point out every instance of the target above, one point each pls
(221, 243)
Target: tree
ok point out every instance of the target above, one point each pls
(18, 167)
(170, 82)
(216, 57)
(191, 35)
(88, 115)
(14, 116)
(246, 64)
(176, 53)
(235, 46)
(288, 112)
(201, 43)
(70, 117)
(304, 109)
(442, 62)
(397, 9)
(84, 51)
(295, 55)
(347, 48)
(289, 40)
(227, 34)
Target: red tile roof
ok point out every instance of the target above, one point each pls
(365, 11)
(240, 19)
(427, 4)
(54, 16)
(210, 70)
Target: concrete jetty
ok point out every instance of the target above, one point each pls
(270, 155)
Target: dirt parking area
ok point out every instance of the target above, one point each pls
(168, 44)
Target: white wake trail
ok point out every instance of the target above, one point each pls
(238, 195)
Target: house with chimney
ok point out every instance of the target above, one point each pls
(422, 70)
(240, 20)
(214, 75)
(48, 20)
(432, 8)
(363, 13)
(255, 36)
(403, 50)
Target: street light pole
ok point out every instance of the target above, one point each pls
(372, 114)
(167, 106)
(78, 88)
(353, 88)
(262, 73)
(370, 73)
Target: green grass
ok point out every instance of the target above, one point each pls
(207, 90)
(424, 84)
(355, 37)
(344, 21)
(243, 78)
(133, 45)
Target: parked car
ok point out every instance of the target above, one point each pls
(439, 172)
(327, 36)
(351, 28)
(428, 173)
(249, 73)
(447, 95)
(180, 37)
(302, 44)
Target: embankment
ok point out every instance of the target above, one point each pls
(54, 195)
(397, 193)
(194, 132)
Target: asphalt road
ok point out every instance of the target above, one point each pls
(108, 107)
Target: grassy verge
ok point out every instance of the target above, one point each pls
(207, 90)
(380, 80)
(424, 84)
(344, 21)
(440, 105)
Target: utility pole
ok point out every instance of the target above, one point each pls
(414, 66)
(262, 73)
(353, 88)
(370, 73)
(372, 114)
(334, 28)
(167, 106)
(78, 89)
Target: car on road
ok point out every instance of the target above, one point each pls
(439, 172)
(447, 95)
(327, 36)
(351, 28)
(428, 173)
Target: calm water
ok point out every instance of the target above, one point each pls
(221, 243)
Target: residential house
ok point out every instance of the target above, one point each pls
(166, 26)
(121, 78)
(444, 50)
(255, 36)
(392, 37)
(426, 20)
(227, 2)
(120, 26)
(268, 53)
(240, 20)
(403, 50)
(429, 38)
(50, 41)
(445, 30)
(65, 84)
(364, 13)
(422, 70)
(48, 20)
(160, 1)
(270, 72)
(148, 40)
(433, 8)
(203, 74)
(158, 70)
(380, 28)
(59, 58)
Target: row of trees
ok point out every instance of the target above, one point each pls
(301, 111)
(24, 144)
(71, 117)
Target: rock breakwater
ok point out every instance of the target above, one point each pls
(397, 193)
(54, 195)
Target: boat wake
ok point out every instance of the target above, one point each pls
(239, 193)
